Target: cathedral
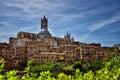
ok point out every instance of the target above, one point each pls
(43, 36)
(43, 47)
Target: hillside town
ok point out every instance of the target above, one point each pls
(43, 48)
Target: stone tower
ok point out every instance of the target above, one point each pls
(68, 38)
(44, 27)
(44, 23)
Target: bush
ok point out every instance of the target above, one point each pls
(111, 71)
(77, 65)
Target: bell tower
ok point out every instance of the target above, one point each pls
(44, 23)
(44, 27)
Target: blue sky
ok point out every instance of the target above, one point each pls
(87, 21)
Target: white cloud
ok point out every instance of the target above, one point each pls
(2, 40)
(103, 23)
(83, 37)
(5, 23)
(68, 17)
(8, 29)
(32, 7)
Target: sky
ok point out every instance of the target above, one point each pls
(88, 21)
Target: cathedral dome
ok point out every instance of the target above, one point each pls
(44, 31)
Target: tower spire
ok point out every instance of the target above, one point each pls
(44, 23)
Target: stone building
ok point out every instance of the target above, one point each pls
(45, 57)
(43, 48)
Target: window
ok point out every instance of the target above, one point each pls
(41, 57)
(44, 57)
(52, 57)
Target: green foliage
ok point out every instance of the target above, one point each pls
(97, 64)
(114, 62)
(77, 65)
(11, 75)
(60, 64)
(86, 67)
(1, 66)
(115, 52)
(78, 74)
(68, 68)
(117, 46)
(44, 67)
(29, 74)
(88, 76)
(110, 71)
(45, 75)
(31, 63)
(63, 76)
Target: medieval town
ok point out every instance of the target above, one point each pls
(43, 48)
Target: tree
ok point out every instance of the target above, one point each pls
(97, 64)
(44, 67)
(60, 65)
(1, 66)
(30, 65)
(117, 45)
(77, 65)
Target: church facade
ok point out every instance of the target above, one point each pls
(43, 48)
